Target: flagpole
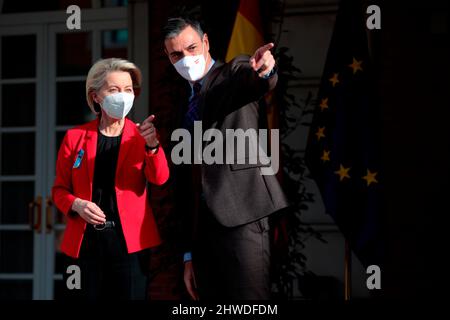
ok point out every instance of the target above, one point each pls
(347, 272)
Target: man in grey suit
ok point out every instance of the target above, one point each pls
(226, 205)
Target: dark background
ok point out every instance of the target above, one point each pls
(416, 147)
(412, 53)
(412, 56)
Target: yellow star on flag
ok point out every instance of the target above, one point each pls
(334, 79)
(320, 133)
(356, 65)
(325, 156)
(324, 104)
(370, 177)
(342, 172)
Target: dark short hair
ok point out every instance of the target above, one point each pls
(174, 26)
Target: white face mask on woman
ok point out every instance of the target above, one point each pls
(191, 67)
(117, 105)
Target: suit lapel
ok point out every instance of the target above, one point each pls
(205, 87)
(126, 143)
(91, 151)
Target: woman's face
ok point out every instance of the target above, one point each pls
(115, 82)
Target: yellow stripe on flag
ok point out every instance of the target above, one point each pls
(245, 38)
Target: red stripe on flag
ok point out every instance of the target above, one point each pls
(250, 10)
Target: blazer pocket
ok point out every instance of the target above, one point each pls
(236, 167)
(248, 165)
(260, 226)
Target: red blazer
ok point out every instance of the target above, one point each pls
(135, 166)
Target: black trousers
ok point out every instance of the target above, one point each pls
(108, 271)
(231, 263)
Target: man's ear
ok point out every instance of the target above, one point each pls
(206, 41)
(165, 49)
(167, 54)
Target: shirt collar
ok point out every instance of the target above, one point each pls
(202, 79)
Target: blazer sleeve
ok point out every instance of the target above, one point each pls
(251, 87)
(62, 187)
(156, 169)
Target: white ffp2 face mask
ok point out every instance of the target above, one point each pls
(117, 105)
(191, 67)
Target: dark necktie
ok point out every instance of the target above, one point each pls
(192, 113)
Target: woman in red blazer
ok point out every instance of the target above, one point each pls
(101, 175)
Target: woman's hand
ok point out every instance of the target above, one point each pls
(148, 132)
(89, 211)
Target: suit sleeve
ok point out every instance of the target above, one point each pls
(62, 187)
(251, 87)
(156, 169)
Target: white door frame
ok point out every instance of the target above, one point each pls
(52, 30)
(138, 36)
(39, 156)
(46, 25)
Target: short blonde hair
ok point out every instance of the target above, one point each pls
(97, 76)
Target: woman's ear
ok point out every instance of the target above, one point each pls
(96, 102)
(95, 97)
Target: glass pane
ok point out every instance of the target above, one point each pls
(74, 54)
(18, 63)
(16, 289)
(58, 290)
(14, 6)
(59, 256)
(59, 138)
(17, 153)
(71, 105)
(15, 197)
(60, 219)
(16, 251)
(18, 104)
(114, 3)
(114, 43)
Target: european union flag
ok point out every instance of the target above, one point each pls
(343, 152)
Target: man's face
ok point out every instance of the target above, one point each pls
(187, 43)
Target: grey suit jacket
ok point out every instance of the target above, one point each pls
(230, 99)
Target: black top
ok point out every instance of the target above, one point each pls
(103, 189)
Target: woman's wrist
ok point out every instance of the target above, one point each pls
(76, 204)
(152, 148)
